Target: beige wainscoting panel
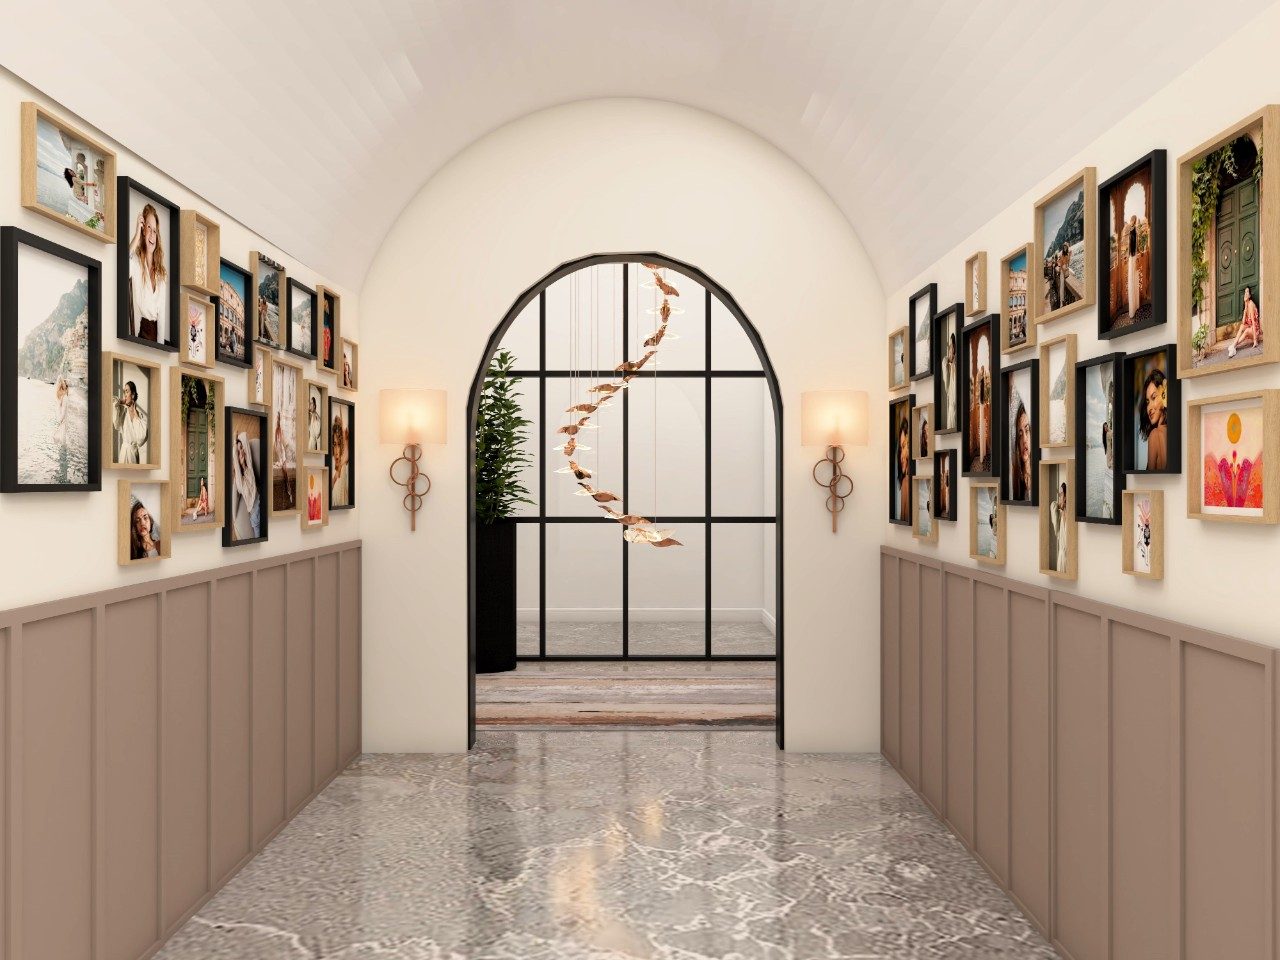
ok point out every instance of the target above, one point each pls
(909, 667)
(1029, 775)
(889, 672)
(957, 625)
(932, 782)
(231, 733)
(991, 727)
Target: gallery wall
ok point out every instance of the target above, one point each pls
(64, 544)
(1210, 568)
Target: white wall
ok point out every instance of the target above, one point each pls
(1217, 575)
(604, 176)
(64, 544)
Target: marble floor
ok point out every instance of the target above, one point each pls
(586, 845)
(662, 638)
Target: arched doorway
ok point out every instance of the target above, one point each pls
(725, 302)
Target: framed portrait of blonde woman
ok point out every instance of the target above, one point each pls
(148, 290)
(131, 422)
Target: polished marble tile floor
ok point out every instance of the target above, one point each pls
(592, 845)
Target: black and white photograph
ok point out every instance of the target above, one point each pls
(920, 310)
(301, 309)
(946, 381)
(1098, 441)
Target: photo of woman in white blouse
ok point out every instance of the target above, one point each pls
(148, 279)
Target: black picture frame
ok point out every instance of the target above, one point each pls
(991, 323)
(1117, 484)
(1157, 163)
(953, 316)
(351, 452)
(1004, 426)
(907, 402)
(228, 474)
(928, 292)
(948, 457)
(124, 189)
(1168, 353)
(219, 354)
(306, 350)
(11, 238)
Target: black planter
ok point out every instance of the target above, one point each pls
(495, 596)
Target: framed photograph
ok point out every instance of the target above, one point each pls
(197, 330)
(286, 440)
(67, 175)
(1020, 433)
(1230, 440)
(316, 429)
(1017, 332)
(922, 432)
(986, 523)
(301, 309)
(350, 372)
(131, 393)
(147, 290)
(269, 281)
(1143, 540)
(1152, 418)
(924, 526)
(196, 401)
(1065, 239)
(980, 372)
(920, 310)
(975, 284)
(1098, 441)
(201, 253)
(330, 306)
(901, 466)
(946, 383)
(898, 360)
(1058, 548)
(342, 454)
(143, 523)
(50, 362)
(316, 485)
(1132, 268)
(259, 379)
(233, 345)
(1058, 392)
(944, 483)
(248, 440)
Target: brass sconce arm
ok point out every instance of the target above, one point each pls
(839, 485)
(413, 498)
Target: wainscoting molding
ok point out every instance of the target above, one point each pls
(1114, 772)
(154, 737)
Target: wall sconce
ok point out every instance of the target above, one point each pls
(833, 419)
(412, 418)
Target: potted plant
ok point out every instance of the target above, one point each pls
(501, 433)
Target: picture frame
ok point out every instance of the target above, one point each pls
(902, 467)
(1099, 439)
(201, 253)
(132, 445)
(245, 477)
(315, 485)
(197, 401)
(1142, 542)
(945, 478)
(315, 430)
(196, 344)
(1133, 248)
(1059, 546)
(1019, 433)
(1017, 322)
(82, 194)
(300, 331)
(1205, 345)
(988, 527)
(342, 454)
(1058, 392)
(287, 440)
(979, 378)
(140, 202)
(922, 432)
(1151, 378)
(975, 285)
(1066, 214)
(947, 325)
(349, 372)
(154, 540)
(50, 395)
(329, 338)
(898, 379)
(1233, 493)
(270, 280)
(924, 526)
(258, 379)
(921, 307)
(233, 343)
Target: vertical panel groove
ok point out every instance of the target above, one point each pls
(15, 805)
(161, 620)
(97, 780)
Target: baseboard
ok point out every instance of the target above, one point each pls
(649, 615)
(770, 622)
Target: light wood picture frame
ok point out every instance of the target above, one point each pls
(329, 330)
(1058, 392)
(1059, 547)
(988, 532)
(1255, 252)
(898, 379)
(922, 437)
(258, 379)
(269, 282)
(1230, 434)
(349, 371)
(313, 445)
(975, 285)
(1142, 544)
(924, 525)
(134, 446)
(154, 498)
(315, 497)
(197, 404)
(201, 253)
(198, 322)
(1017, 323)
(287, 439)
(1071, 206)
(81, 195)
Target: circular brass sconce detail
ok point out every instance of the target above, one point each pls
(839, 485)
(413, 499)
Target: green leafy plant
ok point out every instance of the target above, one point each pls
(1206, 183)
(501, 433)
(1200, 338)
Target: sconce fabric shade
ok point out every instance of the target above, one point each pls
(412, 416)
(833, 418)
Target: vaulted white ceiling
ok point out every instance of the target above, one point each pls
(315, 123)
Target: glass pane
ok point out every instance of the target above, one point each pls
(584, 319)
(521, 337)
(685, 345)
(668, 595)
(603, 458)
(527, 589)
(528, 392)
(730, 348)
(743, 461)
(584, 589)
(743, 594)
(677, 458)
